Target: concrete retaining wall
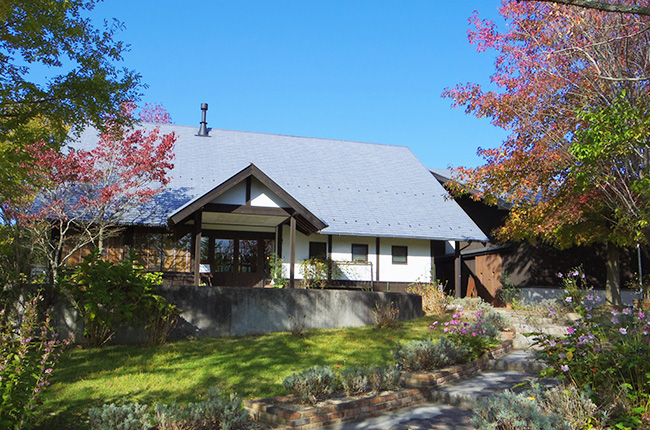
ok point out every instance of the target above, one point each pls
(236, 311)
(230, 311)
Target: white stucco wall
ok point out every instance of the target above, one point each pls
(261, 196)
(418, 267)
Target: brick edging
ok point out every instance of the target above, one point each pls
(457, 372)
(284, 411)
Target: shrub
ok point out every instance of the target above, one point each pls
(161, 317)
(469, 304)
(575, 287)
(494, 323)
(385, 316)
(311, 385)
(537, 408)
(215, 412)
(384, 378)
(108, 296)
(471, 332)
(28, 352)
(434, 299)
(511, 411)
(508, 292)
(354, 381)
(418, 355)
(315, 271)
(131, 416)
(276, 271)
(364, 379)
(297, 325)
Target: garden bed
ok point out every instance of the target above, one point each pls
(287, 412)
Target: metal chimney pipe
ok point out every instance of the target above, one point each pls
(203, 129)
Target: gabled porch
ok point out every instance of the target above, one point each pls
(238, 224)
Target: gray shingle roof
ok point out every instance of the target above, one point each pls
(359, 189)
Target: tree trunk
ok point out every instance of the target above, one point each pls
(613, 286)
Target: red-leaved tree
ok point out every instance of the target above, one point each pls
(86, 196)
(554, 64)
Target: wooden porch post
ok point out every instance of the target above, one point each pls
(292, 254)
(458, 276)
(196, 246)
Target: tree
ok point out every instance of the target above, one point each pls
(554, 63)
(85, 196)
(85, 85)
(602, 6)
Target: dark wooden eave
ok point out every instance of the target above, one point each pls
(306, 221)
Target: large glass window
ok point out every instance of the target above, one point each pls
(360, 253)
(158, 252)
(248, 256)
(224, 255)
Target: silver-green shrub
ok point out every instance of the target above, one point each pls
(214, 413)
(494, 323)
(130, 416)
(354, 381)
(424, 354)
(384, 378)
(311, 385)
(556, 408)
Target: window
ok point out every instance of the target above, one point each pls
(400, 255)
(317, 250)
(360, 253)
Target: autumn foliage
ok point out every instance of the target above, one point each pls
(82, 196)
(557, 68)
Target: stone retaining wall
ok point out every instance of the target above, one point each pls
(287, 413)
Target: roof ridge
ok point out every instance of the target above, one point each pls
(279, 135)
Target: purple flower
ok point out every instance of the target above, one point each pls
(446, 330)
(560, 275)
(565, 368)
(569, 299)
(552, 342)
(641, 315)
(623, 330)
(614, 312)
(551, 312)
(570, 330)
(590, 297)
(614, 320)
(627, 311)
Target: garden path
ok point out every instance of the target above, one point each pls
(452, 408)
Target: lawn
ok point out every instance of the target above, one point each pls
(251, 366)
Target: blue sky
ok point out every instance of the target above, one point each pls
(361, 70)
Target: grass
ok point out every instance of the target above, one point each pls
(251, 366)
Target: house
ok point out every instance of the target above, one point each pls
(237, 197)
(534, 267)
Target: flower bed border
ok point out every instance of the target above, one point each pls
(335, 411)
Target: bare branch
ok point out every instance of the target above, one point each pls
(603, 6)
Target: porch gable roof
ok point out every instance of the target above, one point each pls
(307, 222)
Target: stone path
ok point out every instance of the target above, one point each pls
(451, 408)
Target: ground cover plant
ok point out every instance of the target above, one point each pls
(251, 366)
